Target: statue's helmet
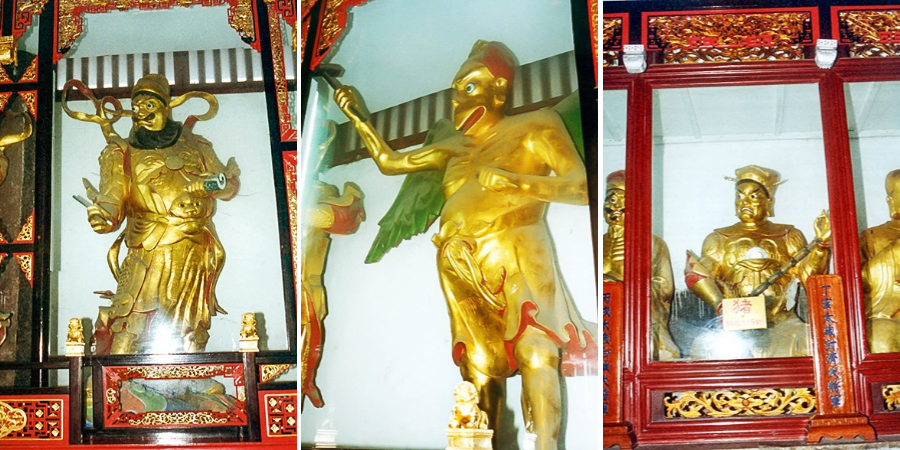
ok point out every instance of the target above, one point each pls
(767, 179)
(616, 180)
(154, 84)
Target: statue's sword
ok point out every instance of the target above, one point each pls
(772, 279)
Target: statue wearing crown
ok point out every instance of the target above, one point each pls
(162, 183)
(757, 257)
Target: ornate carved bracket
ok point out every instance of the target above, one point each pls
(332, 22)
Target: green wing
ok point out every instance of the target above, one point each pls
(417, 205)
(569, 109)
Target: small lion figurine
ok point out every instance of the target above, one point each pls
(248, 326)
(465, 413)
(76, 332)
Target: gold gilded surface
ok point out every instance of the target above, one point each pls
(662, 282)
(611, 26)
(891, 394)
(466, 413)
(880, 250)
(25, 260)
(177, 418)
(242, 20)
(75, 333)
(730, 37)
(26, 234)
(32, 6)
(749, 258)
(111, 396)
(163, 372)
(741, 402)
(269, 372)
(11, 419)
(873, 32)
(494, 249)
(162, 184)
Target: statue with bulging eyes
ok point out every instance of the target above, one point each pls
(163, 183)
(742, 258)
(509, 308)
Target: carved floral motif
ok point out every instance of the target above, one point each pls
(740, 402)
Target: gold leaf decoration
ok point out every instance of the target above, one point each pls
(740, 402)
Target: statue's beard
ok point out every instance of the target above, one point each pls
(143, 138)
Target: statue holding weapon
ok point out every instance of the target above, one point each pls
(756, 256)
(163, 181)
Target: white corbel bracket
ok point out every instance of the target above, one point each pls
(826, 52)
(635, 58)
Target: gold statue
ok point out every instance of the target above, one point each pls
(248, 326)
(75, 333)
(165, 181)
(880, 271)
(509, 309)
(662, 282)
(13, 138)
(756, 256)
(331, 213)
(465, 413)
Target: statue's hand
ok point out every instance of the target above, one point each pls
(101, 221)
(497, 179)
(351, 103)
(197, 189)
(822, 225)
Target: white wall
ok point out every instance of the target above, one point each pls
(251, 280)
(387, 344)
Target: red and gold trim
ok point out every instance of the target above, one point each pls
(242, 16)
(290, 179)
(287, 131)
(279, 415)
(730, 35)
(115, 416)
(615, 35)
(26, 234)
(30, 100)
(25, 261)
(868, 31)
(31, 418)
(24, 11)
(331, 25)
(305, 8)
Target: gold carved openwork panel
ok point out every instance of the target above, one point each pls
(891, 394)
(735, 36)
(869, 33)
(740, 402)
(614, 34)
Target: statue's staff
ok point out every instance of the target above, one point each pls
(795, 259)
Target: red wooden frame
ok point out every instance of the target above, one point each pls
(645, 381)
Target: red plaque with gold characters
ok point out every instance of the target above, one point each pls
(837, 417)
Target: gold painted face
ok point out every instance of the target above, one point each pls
(149, 112)
(478, 98)
(751, 203)
(893, 200)
(614, 207)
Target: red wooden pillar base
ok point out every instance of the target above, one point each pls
(837, 416)
(616, 431)
(839, 426)
(618, 434)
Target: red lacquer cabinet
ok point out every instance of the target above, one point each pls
(748, 296)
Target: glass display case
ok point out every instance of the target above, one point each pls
(760, 156)
(148, 156)
(414, 283)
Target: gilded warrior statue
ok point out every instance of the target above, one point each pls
(163, 182)
(331, 213)
(662, 281)
(738, 259)
(880, 271)
(509, 309)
